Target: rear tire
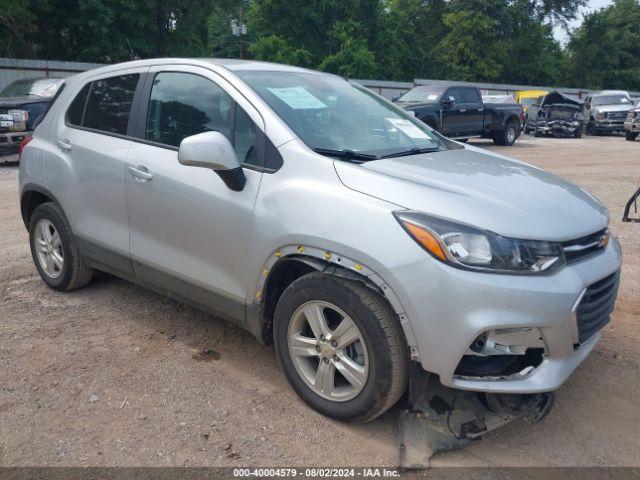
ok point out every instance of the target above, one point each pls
(631, 136)
(55, 250)
(382, 352)
(507, 137)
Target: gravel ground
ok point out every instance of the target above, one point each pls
(114, 375)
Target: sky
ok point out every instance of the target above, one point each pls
(592, 5)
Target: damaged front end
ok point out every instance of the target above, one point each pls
(560, 115)
(442, 418)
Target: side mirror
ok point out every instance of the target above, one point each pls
(448, 102)
(214, 151)
(395, 98)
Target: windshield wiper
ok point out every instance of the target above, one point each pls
(346, 153)
(412, 151)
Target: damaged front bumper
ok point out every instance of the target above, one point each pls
(559, 127)
(506, 333)
(442, 418)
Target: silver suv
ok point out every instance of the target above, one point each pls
(322, 218)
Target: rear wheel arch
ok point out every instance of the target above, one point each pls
(289, 263)
(32, 196)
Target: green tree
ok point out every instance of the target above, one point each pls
(17, 22)
(313, 26)
(469, 50)
(605, 50)
(276, 49)
(351, 57)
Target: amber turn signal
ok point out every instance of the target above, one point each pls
(426, 239)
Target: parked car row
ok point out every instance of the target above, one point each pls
(460, 112)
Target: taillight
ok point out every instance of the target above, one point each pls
(23, 144)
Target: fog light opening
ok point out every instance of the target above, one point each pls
(503, 353)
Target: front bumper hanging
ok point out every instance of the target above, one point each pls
(442, 418)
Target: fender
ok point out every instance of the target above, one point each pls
(333, 263)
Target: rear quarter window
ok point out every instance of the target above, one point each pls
(75, 112)
(109, 104)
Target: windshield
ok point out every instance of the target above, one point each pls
(611, 100)
(330, 114)
(422, 94)
(41, 87)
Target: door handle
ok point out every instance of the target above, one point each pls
(64, 144)
(139, 173)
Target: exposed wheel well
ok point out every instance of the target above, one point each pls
(284, 273)
(28, 203)
(289, 269)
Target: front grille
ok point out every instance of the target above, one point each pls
(596, 305)
(617, 114)
(576, 250)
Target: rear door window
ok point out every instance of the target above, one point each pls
(109, 104)
(470, 95)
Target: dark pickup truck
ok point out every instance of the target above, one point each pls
(21, 104)
(459, 113)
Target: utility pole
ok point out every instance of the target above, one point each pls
(239, 29)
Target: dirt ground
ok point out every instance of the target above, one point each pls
(113, 375)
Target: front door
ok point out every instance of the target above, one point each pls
(189, 233)
(451, 114)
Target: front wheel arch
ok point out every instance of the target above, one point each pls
(274, 278)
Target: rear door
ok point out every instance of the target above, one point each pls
(189, 233)
(93, 141)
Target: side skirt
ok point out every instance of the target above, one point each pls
(244, 316)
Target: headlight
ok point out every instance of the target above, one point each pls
(600, 116)
(19, 116)
(471, 248)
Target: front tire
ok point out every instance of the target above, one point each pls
(578, 132)
(55, 251)
(340, 347)
(631, 136)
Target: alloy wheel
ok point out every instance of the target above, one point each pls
(48, 247)
(328, 351)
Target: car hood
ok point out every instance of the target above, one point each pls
(23, 100)
(614, 108)
(479, 188)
